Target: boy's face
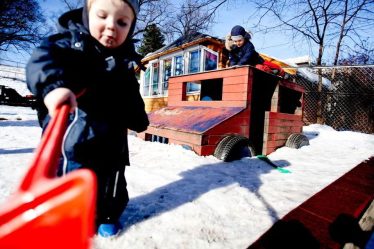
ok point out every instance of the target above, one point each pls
(110, 21)
(239, 42)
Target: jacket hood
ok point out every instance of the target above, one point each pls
(71, 20)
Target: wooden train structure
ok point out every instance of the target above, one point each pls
(240, 111)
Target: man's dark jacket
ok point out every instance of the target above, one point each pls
(245, 55)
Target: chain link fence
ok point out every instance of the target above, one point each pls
(341, 97)
(345, 98)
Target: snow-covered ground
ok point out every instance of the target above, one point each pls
(14, 77)
(181, 200)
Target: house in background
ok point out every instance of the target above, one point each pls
(193, 53)
(189, 54)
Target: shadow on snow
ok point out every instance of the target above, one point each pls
(18, 123)
(196, 182)
(16, 151)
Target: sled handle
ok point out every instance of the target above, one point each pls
(45, 162)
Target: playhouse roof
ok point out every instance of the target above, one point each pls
(183, 42)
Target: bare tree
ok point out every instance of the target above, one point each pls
(152, 12)
(72, 4)
(173, 19)
(361, 54)
(20, 24)
(322, 22)
(308, 18)
(194, 16)
(191, 18)
(354, 16)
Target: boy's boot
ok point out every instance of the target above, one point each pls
(109, 230)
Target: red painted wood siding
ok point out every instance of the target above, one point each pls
(235, 92)
(278, 127)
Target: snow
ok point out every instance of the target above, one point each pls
(313, 77)
(306, 72)
(14, 77)
(181, 200)
(299, 60)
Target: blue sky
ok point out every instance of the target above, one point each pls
(274, 44)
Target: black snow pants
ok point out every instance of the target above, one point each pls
(84, 146)
(112, 195)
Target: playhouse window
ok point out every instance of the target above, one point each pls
(155, 80)
(155, 138)
(178, 65)
(289, 100)
(211, 89)
(166, 74)
(194, 61)
(193, 87)
(210, 60)
(147, 79)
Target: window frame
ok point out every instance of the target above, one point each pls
(186, 56)
(164, 92)
(204, 59)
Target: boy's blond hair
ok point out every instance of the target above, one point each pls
(89, 4)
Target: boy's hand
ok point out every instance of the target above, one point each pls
(57, 97)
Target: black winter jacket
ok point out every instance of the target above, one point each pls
(245, 55)
(110, 101)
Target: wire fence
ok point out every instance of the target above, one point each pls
(341, 97)
(12, 63)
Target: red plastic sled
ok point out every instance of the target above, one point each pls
(50, 212)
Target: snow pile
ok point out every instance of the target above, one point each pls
(181, 200)
(299, 60)
(14, 77)
(313, 77)
(305, 72)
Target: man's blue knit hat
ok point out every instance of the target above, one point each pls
(238, 32)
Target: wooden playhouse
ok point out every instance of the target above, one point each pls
(193, 53)
(238, 109)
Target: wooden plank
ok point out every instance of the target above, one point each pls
(234, 88)
(176, 98)
(241, 96)
(215, 104)
(291, 85)
(276, 136)
(207, 150)
(236, 80)
(174, 91)
(217, 74)
(287, 129)
(333, 210)
(215, 139)
(367, 220)
(240, 130)
(188, 138)
(279, 115)
(284, 122)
